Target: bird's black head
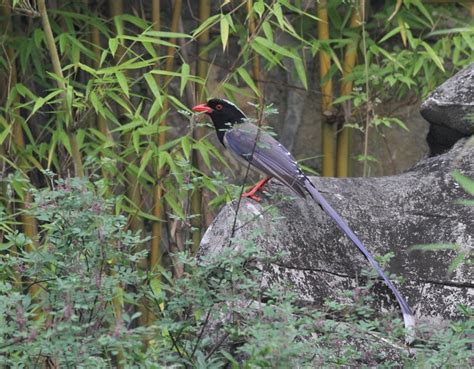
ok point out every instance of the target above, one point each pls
(223, 113)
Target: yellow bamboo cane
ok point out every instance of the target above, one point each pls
(28, 222)
(344, 136)
(326, 89)
(156, 253)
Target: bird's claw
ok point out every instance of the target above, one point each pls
(252, 195)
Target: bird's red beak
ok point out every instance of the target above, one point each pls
(203, 108)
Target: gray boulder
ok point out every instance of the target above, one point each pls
(389, 214)
(450, 110)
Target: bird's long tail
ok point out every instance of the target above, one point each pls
(408, 317)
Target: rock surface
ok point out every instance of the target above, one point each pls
(389, 214)
(450, 110)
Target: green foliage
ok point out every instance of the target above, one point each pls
(218, 313)
(85, 264)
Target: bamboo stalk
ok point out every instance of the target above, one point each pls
(156, 230)
(133, 188)
(28, 222)
(198, 133)
(367, 91)
(255, 58)
(156, 236)
(326, 88)
(75, 152)
(344, 136)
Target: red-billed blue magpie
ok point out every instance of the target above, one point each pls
(250, 144)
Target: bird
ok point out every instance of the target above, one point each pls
(251, 145)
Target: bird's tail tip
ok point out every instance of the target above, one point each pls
(410, 323)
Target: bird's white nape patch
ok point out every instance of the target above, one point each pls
(235, 106)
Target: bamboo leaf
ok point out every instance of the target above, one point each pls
(457, 261)
(267, 30)
(390, 34)
(224, 32)
(6, 129)
(466, 183)
(123, 83)
(136, 141)
(176, 102)
(151, 81)
(275, 47)
(170, 199)
(186, 146)
(204, 153)
(154, 109)
(276, 10)
(265, 53)
(403, 31)
(301, 71)
(163, 34)
(144, 161)
(422, 10)
(248, 80)
(433, 55)
(435, 247)
(113, 45)
(208, 23)
(97, 104)
(184, 78)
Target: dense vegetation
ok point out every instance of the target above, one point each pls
(105, 187)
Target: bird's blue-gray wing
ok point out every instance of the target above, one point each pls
(265, 153)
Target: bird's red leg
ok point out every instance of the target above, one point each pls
(254, 189)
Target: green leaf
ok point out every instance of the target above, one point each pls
(184, 78)
(259, 8)
(97, 104)
(267, 30)
(276, 10)
(224, 31)
(275, 47)
(301, 71)
(176, 102)
(136, 141)
(154, 109)
(170, 199)
(248, 80)
(6, 129)
(433, 56)
(164, 34)
(390, 34)
(422, 10)
(186, 145)
(155, 285)
(208, 23)
(457, 261)
(435, 247)
(123, 83)
(144, 161)
(151, 81)
(466, 183)
(113, 45)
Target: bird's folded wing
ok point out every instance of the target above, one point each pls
(266, 154)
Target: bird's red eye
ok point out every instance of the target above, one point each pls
(219, 107)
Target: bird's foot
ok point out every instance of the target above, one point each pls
(256, 188)
(252, 195)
